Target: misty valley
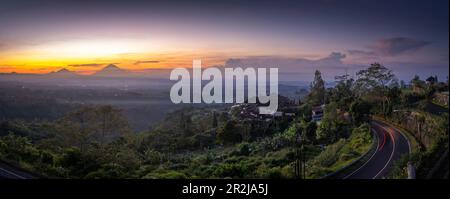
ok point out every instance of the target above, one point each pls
(144, 101)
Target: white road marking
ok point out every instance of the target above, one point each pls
(9, 172)
(404, 136)
(392, 153)
(373, 155)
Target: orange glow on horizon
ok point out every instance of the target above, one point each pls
(88, 56)
(88, 66)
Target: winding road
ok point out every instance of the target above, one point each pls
(9, 172)
(392, 144)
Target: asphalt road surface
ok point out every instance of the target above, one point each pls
(9, 172)
(391, 146)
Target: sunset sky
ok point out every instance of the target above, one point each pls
(411, 37)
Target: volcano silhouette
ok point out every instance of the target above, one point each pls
(111, 70)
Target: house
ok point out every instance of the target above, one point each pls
(277, 114)
(317, 113)
(290, 114)
(441, 98)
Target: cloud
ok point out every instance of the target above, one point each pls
(146, 62)
(397, 46)
(332, 60)
(294, 68)
(4, 46)
(361, 53)
(387, 50)
(90, 64)
(7, 67)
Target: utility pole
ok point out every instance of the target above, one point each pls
(297, 163)
(302, 153)
(300, 170)
(411, 171)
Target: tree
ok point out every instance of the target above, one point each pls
(360, 111)
(214, 120)
(324, 133)
(71, 157)
(188, 126)
(128, 159)
(185, 123)
(432, 80)
(229, 133)
(394, 96)
(417, 83)
(376, 80)
(77, 128)
(375, 77)
(18, 148)
(331, 126)
(306, 112)
(317, 94)
(310, 132)
(113, 124)
(342, 93)
(92, 124)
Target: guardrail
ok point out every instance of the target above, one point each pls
(346, 170)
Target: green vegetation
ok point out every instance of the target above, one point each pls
(317, 94)
(225, 142)
(426, 126)
(341, 153)
(429, 136)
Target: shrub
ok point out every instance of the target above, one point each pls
(231, 170)
(165, 174)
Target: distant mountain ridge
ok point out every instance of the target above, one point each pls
(111, 70)
(64, 72)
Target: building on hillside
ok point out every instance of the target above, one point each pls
(290, 114)
(278, 114)
(317, 113)
(441, 98)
